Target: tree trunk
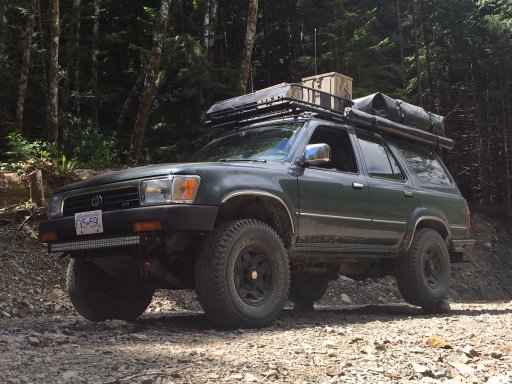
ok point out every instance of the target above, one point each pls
(36, 188)
(94, 63)
(3, 29)
(53, 125)
(69, 87)
(77, 4)
(294, 38)
(417, 53)
(131, 96)
(428, 59)
(25, 66)
(252, 18)
(505, 141)
(400, 42)
(210, 28)
(148, 93)
(43, 57)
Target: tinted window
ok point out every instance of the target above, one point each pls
(425, 164)
(380, 162)
(342, 155)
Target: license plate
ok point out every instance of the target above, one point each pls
(87, 223)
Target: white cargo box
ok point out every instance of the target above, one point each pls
(333, 83)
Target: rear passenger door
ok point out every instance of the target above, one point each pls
(392, 197)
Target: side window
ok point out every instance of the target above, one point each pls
(425, 165)
(342, 154)
(379, 159)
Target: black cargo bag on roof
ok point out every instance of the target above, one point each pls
(397, 110)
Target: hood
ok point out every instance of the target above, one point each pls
(160, 170)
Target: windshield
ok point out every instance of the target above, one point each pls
(268, 143)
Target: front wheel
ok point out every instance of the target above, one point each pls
(423, 273)
(97, 296)
(305, 289)
(242, 275)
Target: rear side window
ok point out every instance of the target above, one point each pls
(380, 162)
(425, 164)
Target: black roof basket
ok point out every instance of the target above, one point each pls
(283, 100)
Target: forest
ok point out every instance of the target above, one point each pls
(95, 83)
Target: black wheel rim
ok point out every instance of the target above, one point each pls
(253, 276)
(432, 267)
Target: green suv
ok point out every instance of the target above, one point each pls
(272, 210)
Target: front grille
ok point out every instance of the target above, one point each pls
(111, 200)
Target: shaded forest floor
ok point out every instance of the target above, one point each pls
(360, 331)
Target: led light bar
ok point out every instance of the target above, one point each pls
(109, 242)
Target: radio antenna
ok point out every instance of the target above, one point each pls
(316, 73)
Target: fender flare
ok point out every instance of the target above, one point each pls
(251, 192)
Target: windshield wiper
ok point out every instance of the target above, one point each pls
(254, 160)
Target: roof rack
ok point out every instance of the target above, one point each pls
(294, 100)
(282, 100)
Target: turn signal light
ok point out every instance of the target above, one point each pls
(147, 226)
(185, 188)
(48, 236)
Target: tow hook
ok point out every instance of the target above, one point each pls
(144, 269)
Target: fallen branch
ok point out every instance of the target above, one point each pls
(141, 374)
(9, 248)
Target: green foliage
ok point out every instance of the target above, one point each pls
(21, 149)
(25, 156)
(67, 168)
(90, 147)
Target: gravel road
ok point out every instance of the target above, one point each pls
(336, 343)
(361, 332)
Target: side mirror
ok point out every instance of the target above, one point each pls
(316, 154)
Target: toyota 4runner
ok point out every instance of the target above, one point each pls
(298, 191)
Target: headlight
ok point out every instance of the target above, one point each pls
(173, 189)
(55, 206)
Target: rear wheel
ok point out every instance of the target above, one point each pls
(242, 275)
(97, 296)
(423, 273)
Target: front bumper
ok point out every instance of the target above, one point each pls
(118, 226)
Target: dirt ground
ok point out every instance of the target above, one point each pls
(359, 332)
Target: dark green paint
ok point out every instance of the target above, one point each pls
(334, 211)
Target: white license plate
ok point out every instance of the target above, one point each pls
(89, 222)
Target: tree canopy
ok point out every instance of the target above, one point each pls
(453, 58)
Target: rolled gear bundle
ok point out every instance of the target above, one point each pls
(399, 111)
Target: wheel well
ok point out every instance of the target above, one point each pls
(433, 224)
(263, 208)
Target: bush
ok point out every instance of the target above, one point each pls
(88, 146)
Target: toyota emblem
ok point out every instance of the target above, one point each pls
(96, 201)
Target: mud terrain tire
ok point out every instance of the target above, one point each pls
(97, 297)
(242, 275)
(423, 273)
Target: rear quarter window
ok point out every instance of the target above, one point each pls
(426, 165)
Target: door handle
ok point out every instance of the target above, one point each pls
(357, 186)
(408, 194)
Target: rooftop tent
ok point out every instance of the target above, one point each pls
(399, 111)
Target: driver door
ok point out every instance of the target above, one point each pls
(334, 199)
